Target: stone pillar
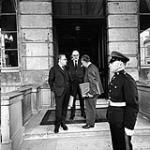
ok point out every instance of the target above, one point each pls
(34, 100)
(122, 19)
(36, 35)
(5, 124)
(36, 45)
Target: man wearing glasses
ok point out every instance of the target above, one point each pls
(59, 84)
(76, 71)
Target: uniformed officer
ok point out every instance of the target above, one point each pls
(123, 103)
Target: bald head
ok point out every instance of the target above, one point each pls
(75, 55)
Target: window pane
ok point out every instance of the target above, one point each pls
(145, 6)
(144, 22)
(10, 40)
(8, 6)
(78, 8)
(144, 44)
(11, 58)
(8, 23)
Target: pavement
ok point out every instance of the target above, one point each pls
(38, 137)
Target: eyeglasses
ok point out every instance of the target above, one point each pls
(75, 55)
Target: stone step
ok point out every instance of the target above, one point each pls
(101, 103)
(77, 138)
(82, 143)
(82, 139)
(75, 130)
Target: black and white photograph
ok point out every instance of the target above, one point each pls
(75, 74)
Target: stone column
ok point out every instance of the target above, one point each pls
(34, 101)
(36, 48)
(122, 21)
(36, 45)
(5, 124)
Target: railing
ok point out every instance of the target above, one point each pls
(16, 109)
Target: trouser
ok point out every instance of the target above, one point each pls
(120, 141)
(61, 107)
(75, 91)
(90, 104)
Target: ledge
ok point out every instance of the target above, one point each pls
(11, 98)
(145, 84)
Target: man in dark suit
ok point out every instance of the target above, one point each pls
(95, 89)
(59, 84)
(123, 103)
(76, 72)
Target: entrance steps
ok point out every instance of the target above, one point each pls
(38, 137)
(101, 103)
(34, 131)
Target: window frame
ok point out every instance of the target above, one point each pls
(146, 58)
(3, 50)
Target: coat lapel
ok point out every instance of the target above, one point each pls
(60, 69)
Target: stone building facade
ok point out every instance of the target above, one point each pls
(115, 23)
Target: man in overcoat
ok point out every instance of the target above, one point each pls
(95, 89)
(59, 84)
(76, 71)
(123, 103)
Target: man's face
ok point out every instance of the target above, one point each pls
(84, 63)
(115, 66)
(63, 60)
(75, 55)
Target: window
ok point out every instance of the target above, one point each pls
(8, 26)
(78, 8)
(144, 16)
(145, 33)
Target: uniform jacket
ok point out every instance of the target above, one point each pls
(92, 76)
(123, 88)
(58, 80)
(76, 74)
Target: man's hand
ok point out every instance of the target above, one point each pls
(89, 95)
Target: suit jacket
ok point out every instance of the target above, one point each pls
(76, 74)
(58, 80)
(92, 76)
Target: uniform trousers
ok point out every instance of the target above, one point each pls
(90, 103)
(61, 107)
(120, 140)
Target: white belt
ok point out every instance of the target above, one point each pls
(116, 104)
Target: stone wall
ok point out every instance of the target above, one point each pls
(122, 23)
(36, 40)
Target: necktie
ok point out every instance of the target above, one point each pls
(76, 65)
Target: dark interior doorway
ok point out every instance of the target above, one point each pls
(88, 36)
(78, 34)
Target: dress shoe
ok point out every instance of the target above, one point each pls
(64, 126)
(87, 126)
(56, 130)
